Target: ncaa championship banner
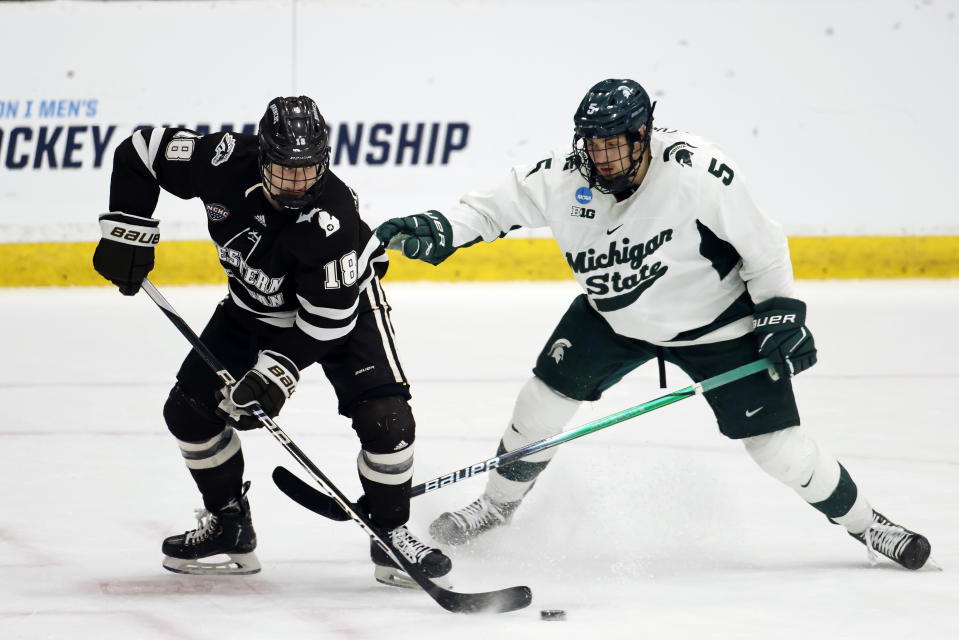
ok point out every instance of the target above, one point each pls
(428, 100)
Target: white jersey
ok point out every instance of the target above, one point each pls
(678, 262)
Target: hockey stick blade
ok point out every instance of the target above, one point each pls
(501, 601)
(305, 495)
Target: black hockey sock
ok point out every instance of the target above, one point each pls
(388, 505)
(218, 485)
(842, 498)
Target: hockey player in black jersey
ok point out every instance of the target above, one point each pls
(303, 276)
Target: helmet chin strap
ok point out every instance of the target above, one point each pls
(269, 198)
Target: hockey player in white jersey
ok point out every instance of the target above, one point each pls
(676, 262)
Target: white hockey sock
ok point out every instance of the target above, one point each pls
(859, 517)
(539, 413)
(795, 459)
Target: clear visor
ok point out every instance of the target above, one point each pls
(292, 182)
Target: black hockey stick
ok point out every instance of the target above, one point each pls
(503, 600)
(319, 503)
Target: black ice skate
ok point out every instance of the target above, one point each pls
(897, 543)
(434, 563)
(228, 531)
(477, 517)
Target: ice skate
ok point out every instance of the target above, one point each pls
(226, 532)
(479, 516)
(905, 547)
(433, 562)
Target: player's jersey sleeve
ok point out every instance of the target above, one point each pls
(759, 240)
(335, 259)
(518, 201)
(152, 159)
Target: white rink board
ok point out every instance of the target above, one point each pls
(654, 528)
(839, 113)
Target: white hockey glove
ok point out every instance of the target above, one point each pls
(270, 382)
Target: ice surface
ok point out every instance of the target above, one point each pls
(654, 528)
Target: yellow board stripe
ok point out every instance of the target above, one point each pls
(816, 258)
(195, 261)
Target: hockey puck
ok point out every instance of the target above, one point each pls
(552, 614)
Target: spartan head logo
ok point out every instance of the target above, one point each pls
(558, 349)
(680, 152)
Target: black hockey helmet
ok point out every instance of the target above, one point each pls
(610, 108)
(293, 135)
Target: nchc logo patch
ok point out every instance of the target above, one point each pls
(216, 212)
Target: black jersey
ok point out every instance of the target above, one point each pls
(306, 271)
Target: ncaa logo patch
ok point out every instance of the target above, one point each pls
(216, 212)
(584, 195)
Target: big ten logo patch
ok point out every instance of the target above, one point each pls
(582, 212)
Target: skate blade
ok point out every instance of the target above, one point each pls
(397, 578)
(240, 564)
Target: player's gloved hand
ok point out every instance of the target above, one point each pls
(270, 382)
(424, 236)
(780, 326)
(124, 255)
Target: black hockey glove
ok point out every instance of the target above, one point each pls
(124, 255)
(424, 236)
(780, 326)
(270, 382)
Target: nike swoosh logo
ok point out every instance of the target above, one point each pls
(610, 232)
(808, 481)
(750, 414)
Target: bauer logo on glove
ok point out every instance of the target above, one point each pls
(780, 326)
(424, 236)
(777, 319)
(134, 236)
(124, 255)
(285, 379)
(268, 384)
